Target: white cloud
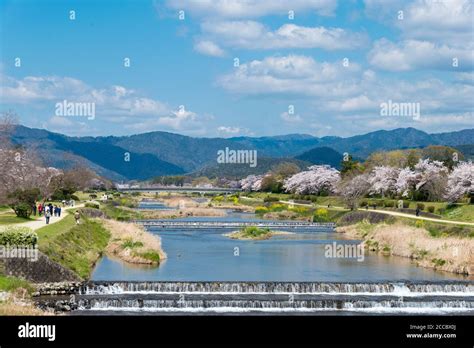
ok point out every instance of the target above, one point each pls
(414, 54)
(251, 8)
(290, 74)
(448, 21)
(335, 90)
(209, 48)
(256, 36)
(114, 104)
(290, 118)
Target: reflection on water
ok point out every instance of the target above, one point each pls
(197, 255)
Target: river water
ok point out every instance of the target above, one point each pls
(207, 255)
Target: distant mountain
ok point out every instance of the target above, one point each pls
(467, 151)
(401, 138)
(162, 153)
(237, 171)
(108, 160)
(322, 155)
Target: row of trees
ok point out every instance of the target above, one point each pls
(427, 180)
(24, 180)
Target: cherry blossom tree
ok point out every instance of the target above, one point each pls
(383, 180)
(460, 181)
(317, 179)
(251, 183)
(428, 179)
(354, 188)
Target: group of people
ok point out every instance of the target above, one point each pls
(47, 209)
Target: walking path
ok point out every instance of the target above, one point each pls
(388, 212)
(41, 221)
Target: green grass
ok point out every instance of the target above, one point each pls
(150, 255)
(464, 212)
(11, 218)
(120, 214)
(8, 283)
(76, 247)
(130, 244)
(254, 232)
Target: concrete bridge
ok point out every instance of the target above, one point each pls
(182, 189)
(234, 225)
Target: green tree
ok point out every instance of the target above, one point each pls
(22, 201)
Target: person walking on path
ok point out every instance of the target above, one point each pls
(77, 216)
(47, 214)
(40, 209)
(59, 211)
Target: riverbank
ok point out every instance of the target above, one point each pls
(133, 244)
(453, 254)
(15, 298)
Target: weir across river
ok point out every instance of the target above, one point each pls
(234, 225)
(185, 297)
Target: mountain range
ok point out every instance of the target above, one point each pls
(162, 153)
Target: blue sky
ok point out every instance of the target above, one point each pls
(324, 72)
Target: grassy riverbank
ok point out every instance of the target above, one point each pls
(133, 244)
(76, 247)
(15, 297)
(433, 245)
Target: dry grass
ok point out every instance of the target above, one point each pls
(139, 242)
(18, 302)
(451, 254)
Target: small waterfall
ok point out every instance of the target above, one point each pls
(273, 297)
(401, 289)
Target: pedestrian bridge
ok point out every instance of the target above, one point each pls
(233, 224)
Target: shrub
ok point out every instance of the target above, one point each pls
(321, 215)
(261, 210)
(22, 210)
(420, 206)
(74, 197)
(389, 204)
(406, 204)
(253, 231)
(431, 209)
(277, 207)
(419, 224)
(92, 205)
(18, 236)
(364, 203)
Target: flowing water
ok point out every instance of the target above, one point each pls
(207, 272)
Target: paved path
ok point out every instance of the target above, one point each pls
(41, 221)
(389, 212)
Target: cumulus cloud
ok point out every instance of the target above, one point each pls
(289, 74)
(113, 104)
(448, 21)
(251, 8)
(209, 48)
(414, 54)
(254, 35)
(335, 90)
